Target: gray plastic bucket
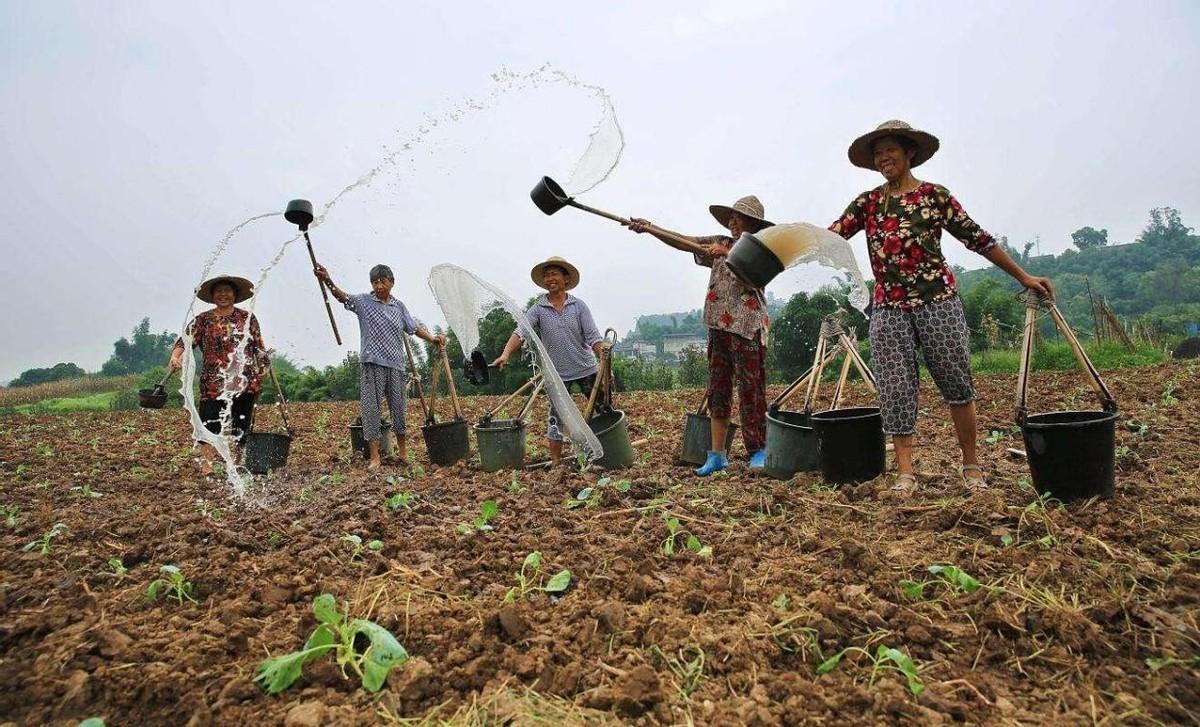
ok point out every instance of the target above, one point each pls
(610, 429)
(501, 444)
(697, 439)
(791, 444)
(358, 444)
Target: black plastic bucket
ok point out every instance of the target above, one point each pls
(447, 442)
(753, 262)
(501, 444)
(850, 446)
(358, 444)
(610, 429)
(266, 451)
(697, 439)
(791, 444)
(155, 398)
(1071, 453)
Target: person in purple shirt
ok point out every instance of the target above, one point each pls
(383, 321)
(568, 332)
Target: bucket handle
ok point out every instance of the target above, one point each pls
(831, 329)
(450, 382)
(535, 381)
(280, 399)
(412, 370)
(602, 390)
(1032, 303)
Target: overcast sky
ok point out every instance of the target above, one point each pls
(135, 134)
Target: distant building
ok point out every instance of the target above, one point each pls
(635, 349)
(674, 343)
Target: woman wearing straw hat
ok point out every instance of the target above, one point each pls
(233, 357)
(916, 304)
(569, 333)
(736, 317)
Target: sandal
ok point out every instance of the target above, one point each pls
(905, 482)
(972, 476)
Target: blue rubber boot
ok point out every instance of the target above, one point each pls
(716, 462)
(758, 460)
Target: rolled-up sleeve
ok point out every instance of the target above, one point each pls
(851, 220)
(957, 222)
(703, 259)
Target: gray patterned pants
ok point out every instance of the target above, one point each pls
(376, 385)
(940, 330)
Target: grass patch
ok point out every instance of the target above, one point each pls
(1055, 356)
(101, 401)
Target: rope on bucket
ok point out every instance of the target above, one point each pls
(1032, 304)
(602, 391)
(834, 332)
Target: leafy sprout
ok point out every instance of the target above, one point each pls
(337, 633)
(172, 584)
(885, 658)
(45, 544)
(487, 512)
(529, 579)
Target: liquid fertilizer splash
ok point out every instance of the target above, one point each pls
(464, 299)
(602, 154)
(800, 242)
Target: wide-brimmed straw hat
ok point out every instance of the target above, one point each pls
(862, 155)
(748, 206)
(243, 289)
(540, 269)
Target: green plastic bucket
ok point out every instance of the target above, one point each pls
(501, 444)
(791, 444)
(447, 442)
(610, 429)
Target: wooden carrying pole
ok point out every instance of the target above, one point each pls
(280, 399)
(450, 382)
(324, 293)
(533, 381)
(412, 371)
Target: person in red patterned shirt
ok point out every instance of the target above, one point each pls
(916, 304)
(736, 317)
(233, 358)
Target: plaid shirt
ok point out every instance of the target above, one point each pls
(568, 335)
(381, 327)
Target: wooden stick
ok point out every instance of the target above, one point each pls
(450, 382)
(532, 380)
(863, 370)
(1026, 347)
(412, 370)
(841, 384)
(434, 374)
(537, 389)
(790, 391)
(819, 361)
(1085, 363)
(324, 293)
(652, 229)
(280, 399)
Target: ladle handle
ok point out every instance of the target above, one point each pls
(165, 379)
(324, 293)
(652, 229)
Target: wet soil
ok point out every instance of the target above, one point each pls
(1074, 599)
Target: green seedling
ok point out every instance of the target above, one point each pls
(9, 513)
(356, 545)
(487, 512)
(515, 485)
(691, 542)
(1156, 664)
(92, 722)
(22, 469)
(118, 567)
(322, 425)
(338, 633)
(529, 579)
(273, 540)
(172, 584)
(43, 450)
(1037, 513)
(85, 491)
(880, 662)
(687, 673)
(45, 544)
(335, 478)
(416, 469)
(995, 437)
(952, 577)
(781, 602)
(400, 500)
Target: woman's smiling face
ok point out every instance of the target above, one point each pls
(892, 159)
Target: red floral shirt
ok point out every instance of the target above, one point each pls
(730, 304)
(217, 338)
(904, 237)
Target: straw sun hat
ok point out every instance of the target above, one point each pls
(556, 262)
(243, 289)
(748, 206)
(862, 155)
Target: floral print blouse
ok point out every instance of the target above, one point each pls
(904, 238)
(217, 337)
(730, 304)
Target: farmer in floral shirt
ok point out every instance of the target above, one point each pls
(233, 360)
(916, 303)
(736, 317)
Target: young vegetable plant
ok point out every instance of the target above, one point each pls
(899, 661)
(172, 584)
(337, 632)
(400, 500)
(45, 544)
(86, 491)
(9, 513)
(356, 545)
(487, 512)
(529, 579)
(674, 531)
(118, 567)
(954, 578)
